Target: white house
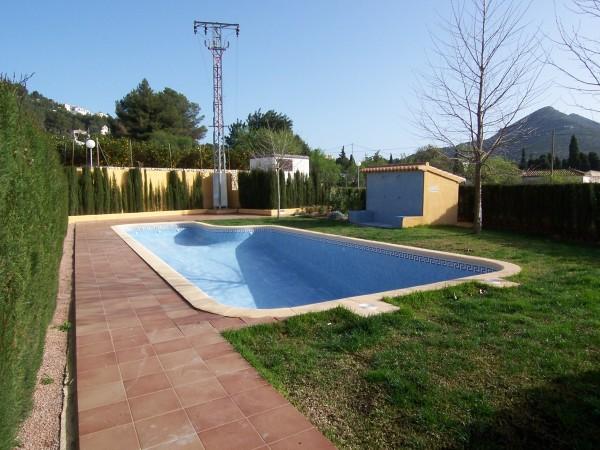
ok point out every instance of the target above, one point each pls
(289, 164)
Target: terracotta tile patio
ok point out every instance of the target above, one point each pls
(152, 372)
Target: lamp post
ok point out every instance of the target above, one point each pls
(90, 144)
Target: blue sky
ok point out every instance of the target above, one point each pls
(344, 71)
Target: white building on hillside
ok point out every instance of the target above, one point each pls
(290, 164)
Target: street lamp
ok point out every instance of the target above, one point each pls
(90, 144)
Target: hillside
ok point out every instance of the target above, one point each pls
(538, 138)
(54, 117)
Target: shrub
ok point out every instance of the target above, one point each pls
(344, 199)
(34, 201)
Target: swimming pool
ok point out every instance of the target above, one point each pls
(272, 270)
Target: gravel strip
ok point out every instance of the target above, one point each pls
(41, 430)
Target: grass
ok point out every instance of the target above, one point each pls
(46, 379)
(65, 326)
(464, 367)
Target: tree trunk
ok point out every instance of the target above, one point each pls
(278, 193)
(477, 209)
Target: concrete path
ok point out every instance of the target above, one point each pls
(152, 372)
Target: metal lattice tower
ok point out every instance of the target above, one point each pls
(217, 46)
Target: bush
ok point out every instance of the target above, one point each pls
(345, 199)
(570, 211)
(34, 202)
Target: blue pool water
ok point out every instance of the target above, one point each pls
(269, 268)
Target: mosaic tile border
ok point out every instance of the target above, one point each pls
(393, 253)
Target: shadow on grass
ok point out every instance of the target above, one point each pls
(563, 414)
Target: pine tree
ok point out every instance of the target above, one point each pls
(342, 159)
(391, 160)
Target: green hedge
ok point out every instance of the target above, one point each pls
(258, 190)
(570, 211)
(33, 220)
(93, 191)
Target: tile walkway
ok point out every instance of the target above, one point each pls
(154, 373)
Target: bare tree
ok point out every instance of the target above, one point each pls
(274, 145)
(585, 51)
(485, 74)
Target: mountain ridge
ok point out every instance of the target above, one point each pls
(539, 125)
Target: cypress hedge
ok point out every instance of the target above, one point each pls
(258, 190)
(34, 202)
(93, 191)
(570, 211)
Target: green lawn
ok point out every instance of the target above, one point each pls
(464, 367)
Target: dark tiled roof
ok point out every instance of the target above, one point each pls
(557, 172)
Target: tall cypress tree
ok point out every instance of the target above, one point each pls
(523, 163)
(125, 193)
(73, 180)
(98, 191)
(107, 190)
(87, 191)
(573, 153)
(115, 196)
(196, 197)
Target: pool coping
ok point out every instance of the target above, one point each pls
(364, 305)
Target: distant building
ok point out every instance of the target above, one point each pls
(576, 176)
(82, 111)
(77, 109)
(289, 164)
(104, 130)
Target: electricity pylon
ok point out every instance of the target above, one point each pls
(217, 46)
